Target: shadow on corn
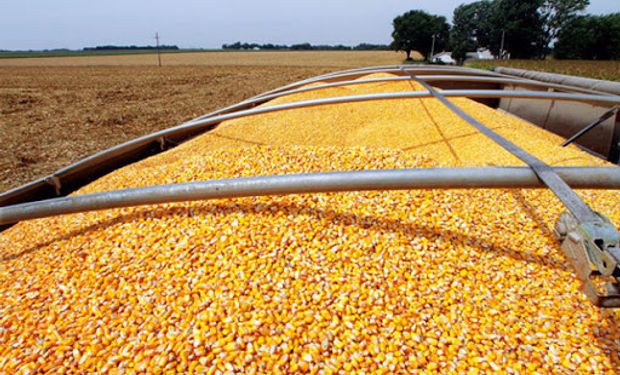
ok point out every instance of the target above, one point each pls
(530, 212)
(366, 222)
(231, 138)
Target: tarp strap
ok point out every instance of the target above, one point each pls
(582, 212)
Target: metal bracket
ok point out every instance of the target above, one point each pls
(594, 250)
(585, 130)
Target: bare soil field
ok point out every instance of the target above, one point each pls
(57, 110)
(53, 116)
(273, 58)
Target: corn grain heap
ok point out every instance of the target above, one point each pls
(442, 281)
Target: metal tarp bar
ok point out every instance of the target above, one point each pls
(126, 147)
(427, 78)
(394, 179)
(413, 68)
(394, 69)
(420, 71)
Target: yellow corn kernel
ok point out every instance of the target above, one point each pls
(458, 281)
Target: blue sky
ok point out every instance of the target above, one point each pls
(38, 24)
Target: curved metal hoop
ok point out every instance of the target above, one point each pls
(396, 179)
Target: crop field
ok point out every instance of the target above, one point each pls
(69, 53)
(57, 110)
(607, 70)
(61, 111)
(273, 58)
(53, 116)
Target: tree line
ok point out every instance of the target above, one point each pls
(306, 47)
(116, 48)
(517, 28)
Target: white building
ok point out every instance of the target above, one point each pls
(443, 58)
(480, 54)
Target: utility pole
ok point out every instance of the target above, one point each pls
(432, 49)
(158, 55)
(501, 48)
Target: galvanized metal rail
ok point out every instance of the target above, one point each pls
(393, 69)
(207, 122)
(395, 179)
(424, 71)
(63, 181)
(77, 174)
(427, 78)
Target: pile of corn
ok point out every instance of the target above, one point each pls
(439, 281)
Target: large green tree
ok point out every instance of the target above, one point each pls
(522, 26)
(555, 15)
(470, 28)
(414, 30)
(530, 26)
(590, 38)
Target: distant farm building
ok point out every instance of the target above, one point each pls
(480, 54)
(443, 58)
